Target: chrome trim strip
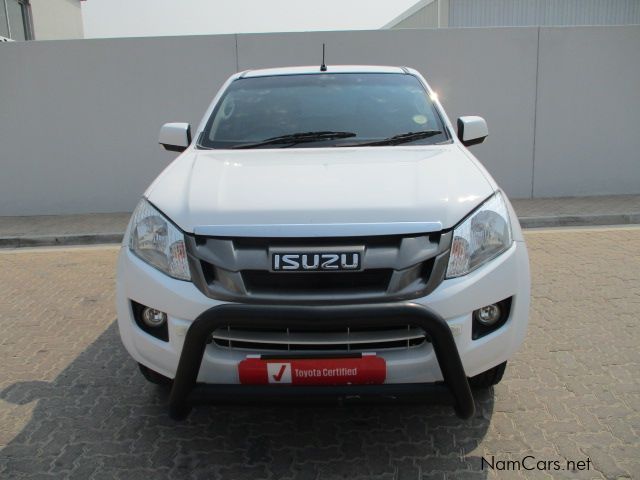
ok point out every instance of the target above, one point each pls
(318, 338)
(318, 229)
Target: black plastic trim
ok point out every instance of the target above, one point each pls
(329, 316)
(478, 330)
(261, 395)
(161, 332)
(177, 148)
(467, 143)
(173, 148)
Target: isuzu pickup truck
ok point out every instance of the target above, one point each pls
(323, 233)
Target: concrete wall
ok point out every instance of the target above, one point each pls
(56, 19)
(493, 13)
(588, 124)
(426, 17)
(79, 119)
(423, 14)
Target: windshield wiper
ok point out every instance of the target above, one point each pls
(295, 138)
(398, 139)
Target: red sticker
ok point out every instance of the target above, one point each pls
(368, 369)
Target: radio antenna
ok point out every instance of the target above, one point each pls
(323, 67)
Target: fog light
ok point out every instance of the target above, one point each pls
(153, 318)
(490, 318)
(488, 315)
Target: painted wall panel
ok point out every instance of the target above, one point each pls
(79, 119)
(505, 13)
(587, 134)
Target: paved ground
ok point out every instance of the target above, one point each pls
(600, 205)
(73, 405)
(109, 227)
(565, 211)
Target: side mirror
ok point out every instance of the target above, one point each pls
(175, 137)
(472, 130)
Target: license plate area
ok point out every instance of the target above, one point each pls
(365, 369)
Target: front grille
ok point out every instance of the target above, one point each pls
(373, 280)
(394, 267)
(343, 340)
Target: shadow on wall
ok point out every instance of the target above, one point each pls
(100, 419)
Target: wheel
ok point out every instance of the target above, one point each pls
(153, 376)
(489, 378)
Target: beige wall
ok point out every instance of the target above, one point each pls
(56, 19)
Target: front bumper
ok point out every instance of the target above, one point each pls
(453, 301)
(239, 315)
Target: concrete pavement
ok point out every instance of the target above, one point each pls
(73, 405)
(578, 211)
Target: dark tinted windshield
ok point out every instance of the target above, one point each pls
(345, 109)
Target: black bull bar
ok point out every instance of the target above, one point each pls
(184, 386)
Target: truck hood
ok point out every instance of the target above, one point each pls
(318, 192)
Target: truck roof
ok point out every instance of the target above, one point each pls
(315, 69)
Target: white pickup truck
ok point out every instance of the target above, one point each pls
(324, 233)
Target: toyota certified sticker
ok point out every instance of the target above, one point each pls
(279, 372)
(368, 369)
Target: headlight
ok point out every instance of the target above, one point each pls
(158, 242)
(484, 235)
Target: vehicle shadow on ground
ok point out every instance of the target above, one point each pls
(101, 419)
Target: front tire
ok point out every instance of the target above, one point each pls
(154, 377)
(489, 378)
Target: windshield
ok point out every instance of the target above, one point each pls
(324, 110)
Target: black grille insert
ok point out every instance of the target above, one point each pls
(261, 338)
(391, 241)
(260, 281)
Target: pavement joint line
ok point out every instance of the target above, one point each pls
(61, 240)
(59, 248)
(580, 220)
